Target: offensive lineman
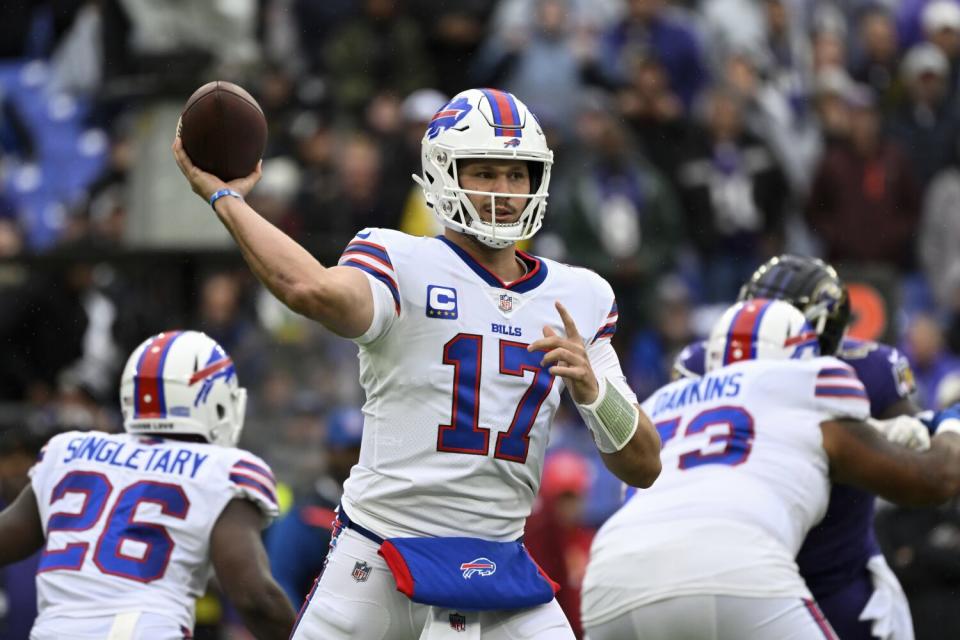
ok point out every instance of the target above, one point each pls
(840, 559)
(131, 523)
(465, 346)
(749, 452)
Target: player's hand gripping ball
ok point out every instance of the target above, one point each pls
(223, 130)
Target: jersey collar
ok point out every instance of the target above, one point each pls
(536, 270)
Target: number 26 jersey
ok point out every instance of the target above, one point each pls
(127, 521)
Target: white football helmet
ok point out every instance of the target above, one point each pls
(182, 383)
(760, 329)
(484, 123)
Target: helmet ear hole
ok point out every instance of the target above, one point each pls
(221, 411)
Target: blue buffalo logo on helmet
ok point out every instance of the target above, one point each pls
(480, 567)
(448, 116)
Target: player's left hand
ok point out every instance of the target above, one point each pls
(567, 358)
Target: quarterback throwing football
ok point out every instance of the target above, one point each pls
(465, 344)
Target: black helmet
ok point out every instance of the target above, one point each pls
(812, 286)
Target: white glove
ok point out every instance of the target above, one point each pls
(903, 430)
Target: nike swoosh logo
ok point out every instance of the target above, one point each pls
(364, 235)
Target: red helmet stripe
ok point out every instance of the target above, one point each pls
(148, 378)
(742, 337)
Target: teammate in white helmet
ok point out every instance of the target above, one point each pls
(749, 451)
(133, 524)
(465, 346)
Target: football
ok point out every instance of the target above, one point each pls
(223, 130)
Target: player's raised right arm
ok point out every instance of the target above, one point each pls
(337, 297)
(21, 532)
(861, 456)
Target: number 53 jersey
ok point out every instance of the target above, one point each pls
(744, 477)
(458, 412)
(127, 521)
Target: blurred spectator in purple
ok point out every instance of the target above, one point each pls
(776, 109)
(454, 30)
(831, 87)
(56, 324)
(939, 242)
(654, 112)
(316, 23)
(380, 51)
(540, 62)
(316, 146)
(909, 23)
(926, 126)
(279, 94)
(876, 59)
(668, 34)
(932, 363)
(829, 45)
(614, 212)
(224, 314)
(416, 111)
(941, 25)
(734, 196)
(276, 193)
(787, 43)
(653, 349)
(555, 533)
(352, 199)
(865, 204)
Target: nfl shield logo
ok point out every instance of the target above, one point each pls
(506, 302)
(361, 571)
(458, 622)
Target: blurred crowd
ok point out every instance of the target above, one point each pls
(693, 139)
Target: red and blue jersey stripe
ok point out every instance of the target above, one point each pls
(372, 258)
(506, 116)
(839, 382)
(148, 395)
(609, 325)
(245, 473)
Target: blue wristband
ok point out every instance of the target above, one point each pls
(222, 193)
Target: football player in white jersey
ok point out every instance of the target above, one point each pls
(749, 451)
(131, 524)
(465, 346)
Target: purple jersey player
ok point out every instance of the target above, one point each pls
(840, 559)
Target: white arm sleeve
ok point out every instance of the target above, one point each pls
(606, 364)
(384, 312)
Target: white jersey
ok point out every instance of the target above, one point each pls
(745, 476)
(458, 412)
(127, 521)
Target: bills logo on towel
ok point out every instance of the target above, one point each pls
(480, 567)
